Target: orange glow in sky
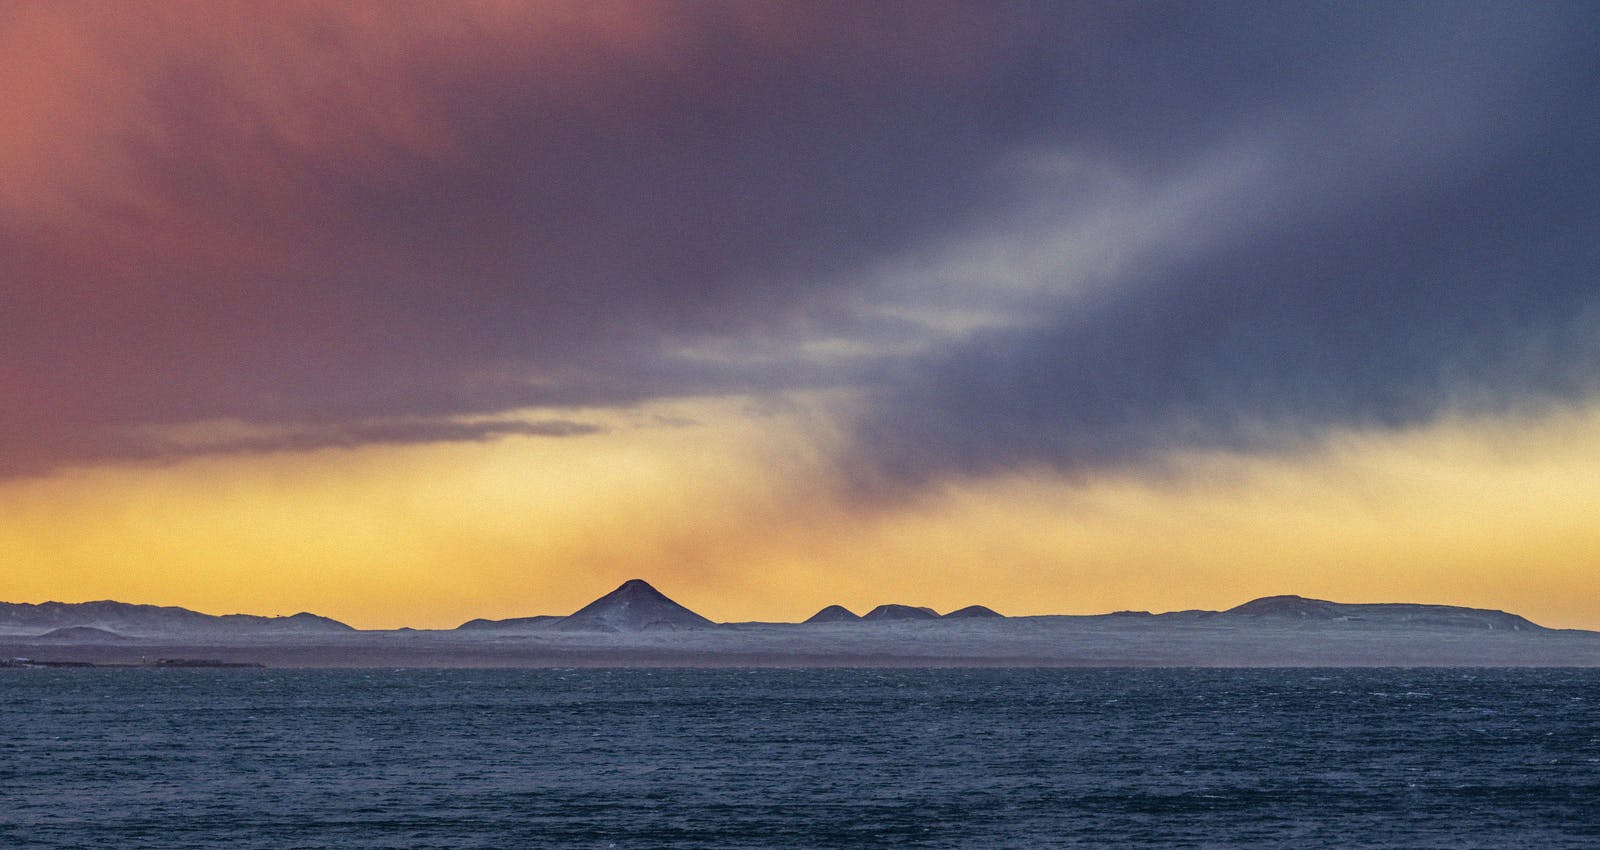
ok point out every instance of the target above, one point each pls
(412, 313)
(1489, 514)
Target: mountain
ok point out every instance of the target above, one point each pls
(973, 612)
(515, 624)
(633, 607)
(1387, 613)
(834, 614)
(900, 612)
(129, 619)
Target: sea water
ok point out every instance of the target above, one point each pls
(143, 758)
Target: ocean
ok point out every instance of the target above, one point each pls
(773, 758)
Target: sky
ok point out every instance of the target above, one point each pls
(410, 313)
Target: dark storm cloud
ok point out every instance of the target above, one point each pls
(1419, 236)
(318, 213)
(312, 216)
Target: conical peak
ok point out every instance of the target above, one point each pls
(636, 589)
(632, 606)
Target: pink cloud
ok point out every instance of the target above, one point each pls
(327, 209)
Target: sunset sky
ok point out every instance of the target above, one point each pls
(409, 313)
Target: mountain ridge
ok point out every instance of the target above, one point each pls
(638, 606)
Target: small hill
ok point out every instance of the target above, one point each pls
(834, 614)
(973, 612)
(633, 607)
(1294, 607)
(897, 613)
(514, 624)
(301, 623)
(1382, 613)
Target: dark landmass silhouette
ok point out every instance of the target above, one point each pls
(132, 620)
(512, 624)
(637, 625)
(638, 606)
(635, 606)
(971, 612)
(834, 614)
(1298, 607)
(899, 612)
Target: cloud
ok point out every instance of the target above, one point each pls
(1032, 234)
(1401, 233)
(356, 434)
(336, 211)
(165, 444)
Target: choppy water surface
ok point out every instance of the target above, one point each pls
(799, 758)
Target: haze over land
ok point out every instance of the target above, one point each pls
(1053, 307)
